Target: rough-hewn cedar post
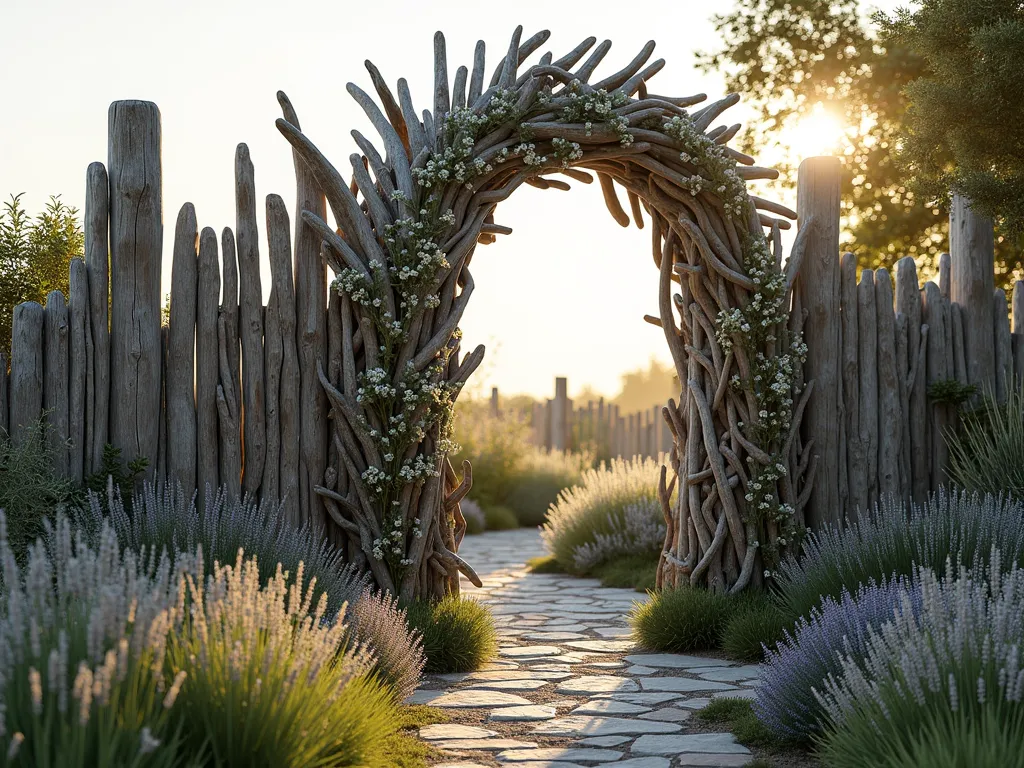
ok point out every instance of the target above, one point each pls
(250, 308)
(26, 384)
(819, 288)
(1003, 345)
(207, 364)
(560, 415)
(79, 358)
(890, 422)
(181, 345)
(971, 286)
(136, 247)
(908, 303)
(1018, 332)
(55, 379)
(97, 264)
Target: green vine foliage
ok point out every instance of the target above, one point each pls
(406, 406)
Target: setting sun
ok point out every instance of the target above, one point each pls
(816, 134)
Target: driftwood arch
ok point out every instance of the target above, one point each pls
(409, 222)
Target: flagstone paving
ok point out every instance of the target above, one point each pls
(569, 689)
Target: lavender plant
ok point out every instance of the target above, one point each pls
(805, 657)
(83, 633)
(377, 622)
(271, 679)
(589, 519)
(959, 655)
(894, 539)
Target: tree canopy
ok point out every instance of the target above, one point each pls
(34, 255)
(964, 126)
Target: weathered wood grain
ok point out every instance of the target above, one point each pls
(136, 247)
(889, 421)
(908, 303)
(972, 282)
(1003, 345)
(1018, 332)
(867, 341)
(856, 468)
(97, 263)
(272, 354)
(55, 380)
(250, 310)
(78, 361)
(230, 368)
(26, 382)
(207, 365)
(181, 345)
(937, 370)
(4, 398)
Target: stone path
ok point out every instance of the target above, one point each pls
(569, 689)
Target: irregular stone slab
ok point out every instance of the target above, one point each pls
(649, 698)
(554, 636)
(644, 762)
(605, 741)
(587, 684)
(533, 673)
(640, 669)
(453, 731)
(603, 646)
(607, 664)
(476, 699)
(676, 744)
(484, 744)
(730, 674)
(424, 697)
(590, 725)
(667, 715)
(698, 703)
(559, 753)
(609, 707)
(519, 651)
(613, 631)
(523, 714)
(713, 761)
(564, 627)
(742, 693)
(682, 684)
(675, 660)
(507, 685)
(546, 665)
(460, 765)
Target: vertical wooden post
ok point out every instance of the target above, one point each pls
(78, 290)
(4, 400)
(938, 366)
(908, 303)
(1018, 333)
(972, 282)
(890, 410)
(560, 415)
(136, 247)
(97, 264)
(181, 345)
(207, 365)
(818, 197)
(494, 402)
(26, 384)
(55, 380)
(1003, 345)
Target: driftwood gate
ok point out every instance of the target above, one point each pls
(340, 408)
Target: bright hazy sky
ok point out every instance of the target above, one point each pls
(563, 296)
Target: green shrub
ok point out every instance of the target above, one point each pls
(738, 715)
(614, 511)
(498, 518)
(544, 564)
(639, 572)
(892, 541)
(755, 622)
(496, 447)
(681, 620)
(29, 488)
(458, 633)
(82, 637)
(986, 454)
(270, 680)
(540, 477)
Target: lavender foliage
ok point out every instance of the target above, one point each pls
(894, 539)
(639, 529)
(808, 655)
(379, 624)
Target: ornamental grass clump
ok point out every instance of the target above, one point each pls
(377, 621)
(954, 666)
(540, 477)
(681, 620)
(613, 511)
(986, 453)
(271, 678)
(458, 633)
(83, 633)
(892, 540)
(166, 518)
(810, 652)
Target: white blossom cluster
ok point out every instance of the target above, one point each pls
(715, 168)
(588, 106)
(566, 151)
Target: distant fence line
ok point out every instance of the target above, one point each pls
(562, 424)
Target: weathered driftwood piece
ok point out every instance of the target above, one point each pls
(889, 419)
(136, 247)
(250, 323)
(161, 448)
(181, 344)
(908, 303)
(856, 468)
(867, 339)
(959, 356)
(229, 388)
(78, 360)
(1018, 332)
(283, 296)
(938, 370)
(97, 262)
(207, 365)
(55, 379)
(273, 352)
(310, 311)
(1003, 345)
(972, 281)
(819, 288)
(26, 381)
